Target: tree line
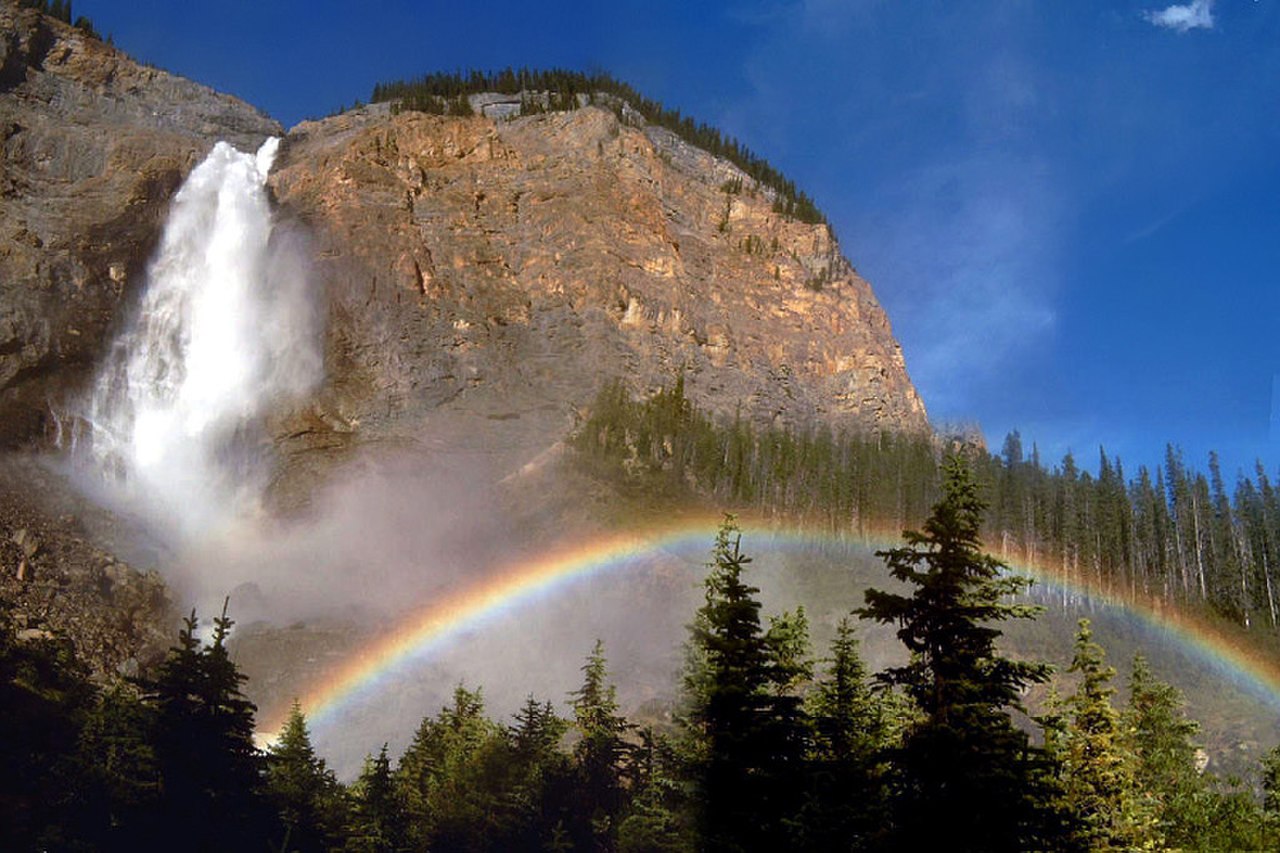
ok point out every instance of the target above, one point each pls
(61, 9)
(444, 93)
(1174, 533)
(770, 749)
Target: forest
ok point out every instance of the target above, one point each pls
(768, 748)
(444, 93)
(1174, 533)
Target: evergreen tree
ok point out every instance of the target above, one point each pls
(969, 780)
(210, 770)
(1162, 740)
(746, 723)
(655, 822)
(848, 766)
(447, 779)
(598, 756)
(537, 797)
(378, 821)
(45, 695)
(305, 794)
(1098, 769)
(120, 805)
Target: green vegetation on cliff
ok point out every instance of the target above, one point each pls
(1175, 534)
(444, 93)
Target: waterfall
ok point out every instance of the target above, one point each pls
(224, 330)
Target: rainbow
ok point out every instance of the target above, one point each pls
(396, 653)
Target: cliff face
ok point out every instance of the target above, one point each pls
(484, 271)
(93, 147)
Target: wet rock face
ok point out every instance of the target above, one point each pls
(92, 146)
(505, 267)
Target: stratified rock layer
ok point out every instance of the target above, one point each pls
(93, 147)
(484, 271)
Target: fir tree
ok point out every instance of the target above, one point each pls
(442, 776)
(848, 766)
(1098, 770)
(377, 817)
(655, 823)
(210, 770)
(969, 779)
(304, 792)
(1162, 739)
(746, 723)
(598, 755)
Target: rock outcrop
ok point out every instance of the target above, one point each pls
(491, 270)
(94, 145)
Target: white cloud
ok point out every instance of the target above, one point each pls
(1198, 14)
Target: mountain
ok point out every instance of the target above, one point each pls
(94, 147)
(487, 273)
(481, 277)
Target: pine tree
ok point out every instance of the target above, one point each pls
(122, 782)
(745, 723)
(848, 766)
(598, 755)
(1162, 739)
(377, 815)
(210, 770)
(969, 780)
(442, 776)
(1098, 769)
(304, 792)
(655, 823)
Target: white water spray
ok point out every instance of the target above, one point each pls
(225, 330)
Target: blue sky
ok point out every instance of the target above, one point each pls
(1070, 210)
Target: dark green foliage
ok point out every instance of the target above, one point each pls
(848, 774)
(122, 781)
(378, 821)
(664, 449)
(210, 771)
(599, 757)
(746, 722)
(440, 92)
(656, 821)
(968, 778)
(446, 777)
(1173, 534)
(306, 796)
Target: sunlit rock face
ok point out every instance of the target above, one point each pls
(93, 147)
(488, 273)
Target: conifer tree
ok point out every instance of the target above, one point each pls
(304, 792)
(598, 755)
(745, 722)
(849, 771)
(1098, 769)
(377, 816)
(655, 822)
(1162, 739)
(210, 769)
(969, 779)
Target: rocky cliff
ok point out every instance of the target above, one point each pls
(482, 277)
(94, 144)
(487, 273)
